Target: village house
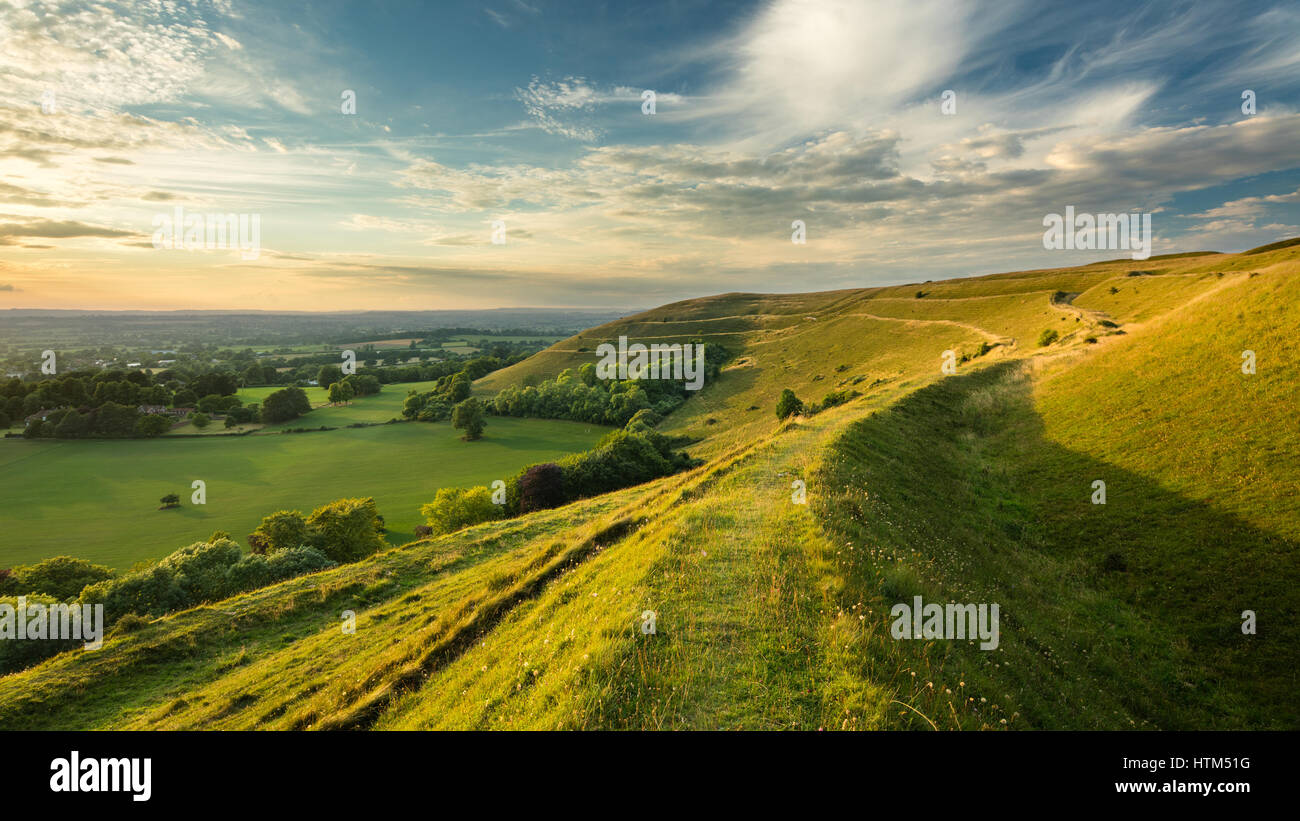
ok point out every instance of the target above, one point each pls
(39, 416)
(179, 413)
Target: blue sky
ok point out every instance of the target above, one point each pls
(530, 113)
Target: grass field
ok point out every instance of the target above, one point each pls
(98, 499)
(385, 405)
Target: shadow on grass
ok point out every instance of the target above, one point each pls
(1115, 615)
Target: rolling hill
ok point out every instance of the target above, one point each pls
(976, 486)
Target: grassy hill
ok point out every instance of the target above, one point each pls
(973, 487)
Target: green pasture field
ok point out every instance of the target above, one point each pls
(99, 500)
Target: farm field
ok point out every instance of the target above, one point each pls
(98, 500)
(385, 405)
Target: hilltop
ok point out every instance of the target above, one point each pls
(975, 486)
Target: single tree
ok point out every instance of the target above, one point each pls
(328, 375)
(788, 405)
(468, 416)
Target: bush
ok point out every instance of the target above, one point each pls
(541, 487)
(646, 417)
(346, 530)
(62, 577)
(835, 398)
(454, 508)
(16, 655)
(281, 530)
(201, 572)
(788, 405)
(256, 570)
(200, 420)
(1047, 337)
(153, 424)
(130, 623)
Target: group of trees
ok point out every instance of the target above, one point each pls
(623, 458)
(436, 405)
(89, 389)
(105, 403)
(285, 404)
(582, 397)
(342, 389)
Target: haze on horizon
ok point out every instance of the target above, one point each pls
(531, 113)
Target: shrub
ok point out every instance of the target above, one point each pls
(454, 508)
(62, 577)
(281, 530)
(153, 424)
(346, 530)
(835, 398)
(1047, 337)
(646, 417)
(15, 655)
(201, 572)
(788, 405)
(541, 487)
(200, 420)
(256, 570)
(130, 623)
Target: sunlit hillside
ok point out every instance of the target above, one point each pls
(974, 486)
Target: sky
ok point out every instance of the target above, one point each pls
(503, 154)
